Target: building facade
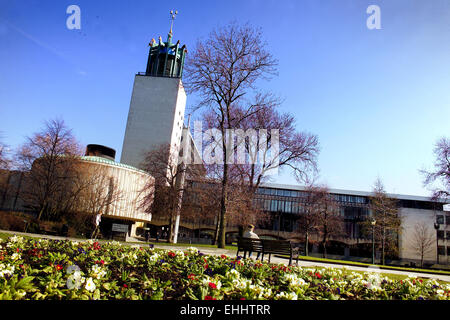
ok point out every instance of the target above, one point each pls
(284, 204)
(158, 102)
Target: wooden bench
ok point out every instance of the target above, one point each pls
(283, 247)
(269, 247)
(48, 230)
(249, 245)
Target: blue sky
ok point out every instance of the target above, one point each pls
(377, 99)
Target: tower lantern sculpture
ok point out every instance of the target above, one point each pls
(166, 59)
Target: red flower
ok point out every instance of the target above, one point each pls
(191, 276)
(171, 254)
(209, 298)
(242, 298)
(318, 275)
(223, 256)
(125, 285)
(212, 285)
(206, 266)
(58, 267)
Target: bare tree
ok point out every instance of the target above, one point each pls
(308, 220)
(164, 165)
(423, 240)
(388, 221)
(330, 223)
(49, 157)
(224, 71)
(441, 171)
(4, 159)
(201, 203)
(4, 173)
(97, 190)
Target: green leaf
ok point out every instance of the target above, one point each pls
(25, 283)
(96, 295)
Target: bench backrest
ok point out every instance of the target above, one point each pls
(277, 246)
(249, 244)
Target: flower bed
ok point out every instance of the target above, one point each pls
(52, 269)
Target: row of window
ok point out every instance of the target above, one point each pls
(303, 194)
(281, 192)
(441, 234)
(441, 219)
(349, 198)
(441, 250)
(287, 206)
(279, 205)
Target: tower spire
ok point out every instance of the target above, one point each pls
(172, 18)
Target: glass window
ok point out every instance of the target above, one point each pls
(266, 204)
(440, 234)
(288, 206)
(273, 205)
(440, 219)
(441, 250)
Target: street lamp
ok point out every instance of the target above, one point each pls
(436, 226)
(373, 222)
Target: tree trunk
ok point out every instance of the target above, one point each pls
(223, 209)
(306, 243)
(383, 246)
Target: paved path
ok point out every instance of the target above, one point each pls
(274, 259)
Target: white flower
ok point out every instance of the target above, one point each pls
(98, 272)
(233, 274)
(74, 281)
(192, 250)
(72, 269)
(154, 257)
(294, 280)
(286, 296)
(15, 256)
(15, 239)
(90, 285)
(6, 270)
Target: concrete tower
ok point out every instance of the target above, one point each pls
(158, 101)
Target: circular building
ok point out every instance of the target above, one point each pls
(115, 190)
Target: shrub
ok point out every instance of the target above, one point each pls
(12, 221)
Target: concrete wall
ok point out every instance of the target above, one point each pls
(407, 241)
(129, 185)
(155, 117)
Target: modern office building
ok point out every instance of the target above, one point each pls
(284, 204)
